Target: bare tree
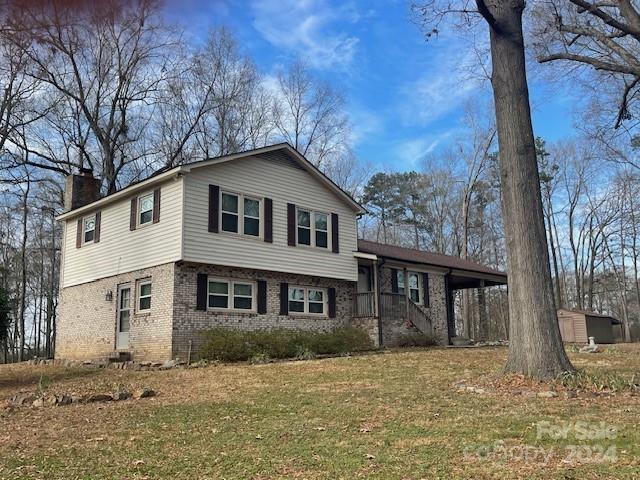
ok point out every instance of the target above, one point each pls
(102, 64)
(535, 346)
(309, 115)
(604, 36)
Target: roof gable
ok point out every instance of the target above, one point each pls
(278, 152)
(284, 153)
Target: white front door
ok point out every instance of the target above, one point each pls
(123, 317)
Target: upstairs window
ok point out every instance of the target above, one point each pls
(89, 229)
(241, 214)
(230, 213)
(251, 217)
(304, 227)
(145, 209)
(313, 228)
(322, 229)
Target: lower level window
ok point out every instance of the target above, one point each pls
(144, 296)
(230, 294)
(307, 300)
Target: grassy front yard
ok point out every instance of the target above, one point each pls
(392, 415)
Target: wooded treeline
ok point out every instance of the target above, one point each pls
(592, 217)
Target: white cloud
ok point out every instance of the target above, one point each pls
(444, 84)
(412, 152)
(307, 28)
(364, 124)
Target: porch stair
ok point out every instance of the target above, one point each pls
(399, 306)
(418, 318)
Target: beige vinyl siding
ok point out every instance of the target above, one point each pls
(121, 250)
(573, 327)
(284, 183)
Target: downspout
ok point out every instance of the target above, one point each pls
(379, 265)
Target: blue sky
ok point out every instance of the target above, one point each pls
(405, 96)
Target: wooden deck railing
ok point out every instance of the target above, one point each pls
(419, 318)
(364, 304)
(393, 305)
(397, 305)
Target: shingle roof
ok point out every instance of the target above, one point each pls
(592, 314)
(421, 256)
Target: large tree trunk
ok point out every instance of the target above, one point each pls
(535, 347)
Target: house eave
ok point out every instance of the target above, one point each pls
(174, 172)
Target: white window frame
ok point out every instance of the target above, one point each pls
(139, 219)
(241, 215)
(312, 228)
(315, 229)
(139, 295)
(325, 300)
(231, 282)
(419, 288)
(84, 229)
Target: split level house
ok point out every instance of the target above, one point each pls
(254, 240)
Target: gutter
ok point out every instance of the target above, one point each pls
(125, 192)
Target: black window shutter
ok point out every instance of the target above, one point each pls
(262, 296)
(335, 247)
(332, 302)
(134, 212)
(394, 280)
(268, 220)
(214, 208)
(425, 288)
(96, 234)
(79, 234)
(284, 299)
(201, 294)
(156, 205)
(291, 224)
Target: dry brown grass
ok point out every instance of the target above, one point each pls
(394, 415)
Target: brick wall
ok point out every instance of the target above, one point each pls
(190, 323)
(87, 321)
(394, 329)
(86, 325)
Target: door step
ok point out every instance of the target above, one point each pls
(117, 357)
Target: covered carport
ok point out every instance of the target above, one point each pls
(459, 279)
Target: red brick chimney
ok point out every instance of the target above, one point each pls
(80, 190)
